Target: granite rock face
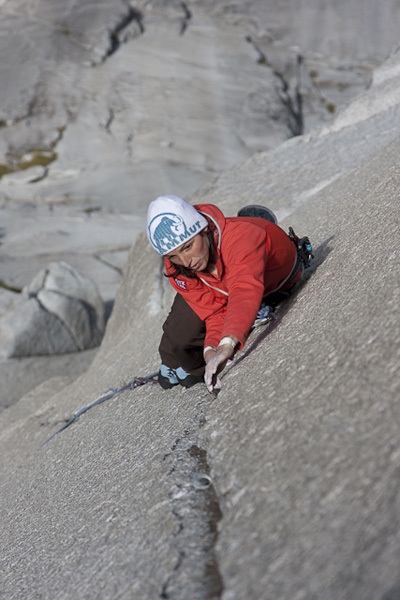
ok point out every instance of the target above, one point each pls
(298, 457)
(109, 104)
(60, 311)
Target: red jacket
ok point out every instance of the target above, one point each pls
(255, 258)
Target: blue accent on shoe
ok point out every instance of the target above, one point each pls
(167, 377)
(186, 379)
(263, 316)
(264, 312)
(181, 373)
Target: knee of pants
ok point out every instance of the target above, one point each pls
(177, 346)
(184, 335)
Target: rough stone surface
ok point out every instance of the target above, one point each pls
(19, 376)
(60, 311)
(301, 445)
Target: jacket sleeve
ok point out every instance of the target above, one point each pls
(245, 264)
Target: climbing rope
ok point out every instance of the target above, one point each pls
(136, 382)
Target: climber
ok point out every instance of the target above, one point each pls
(222, 270)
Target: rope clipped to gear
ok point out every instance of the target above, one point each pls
(136, 382)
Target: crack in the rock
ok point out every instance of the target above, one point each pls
(110, 119)
(9, 286)
(120, 34)
(186, 18)
(262, 58)
(109, 264)
(292, 101)
(196, 572)
(40, 177)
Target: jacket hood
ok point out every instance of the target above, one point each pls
(215, 218)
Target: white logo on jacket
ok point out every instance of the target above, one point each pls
(181, 284)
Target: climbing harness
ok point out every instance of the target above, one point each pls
(136, 382)
(304, 256)
(304, 247)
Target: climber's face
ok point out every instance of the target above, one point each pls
(193, 254)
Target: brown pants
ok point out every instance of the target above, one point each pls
(183, 339)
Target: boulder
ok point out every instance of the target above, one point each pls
(60, 311)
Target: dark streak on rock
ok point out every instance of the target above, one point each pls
(186, 18)
(293, 102)
(132, 15)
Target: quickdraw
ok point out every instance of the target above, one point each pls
(136, 382)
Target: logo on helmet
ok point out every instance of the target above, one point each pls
(168, 231)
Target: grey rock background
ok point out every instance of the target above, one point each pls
(301, 445)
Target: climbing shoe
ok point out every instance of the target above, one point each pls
(167, 377)
(261, 212)
(186, 379)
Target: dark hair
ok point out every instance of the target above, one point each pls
(181, 270)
